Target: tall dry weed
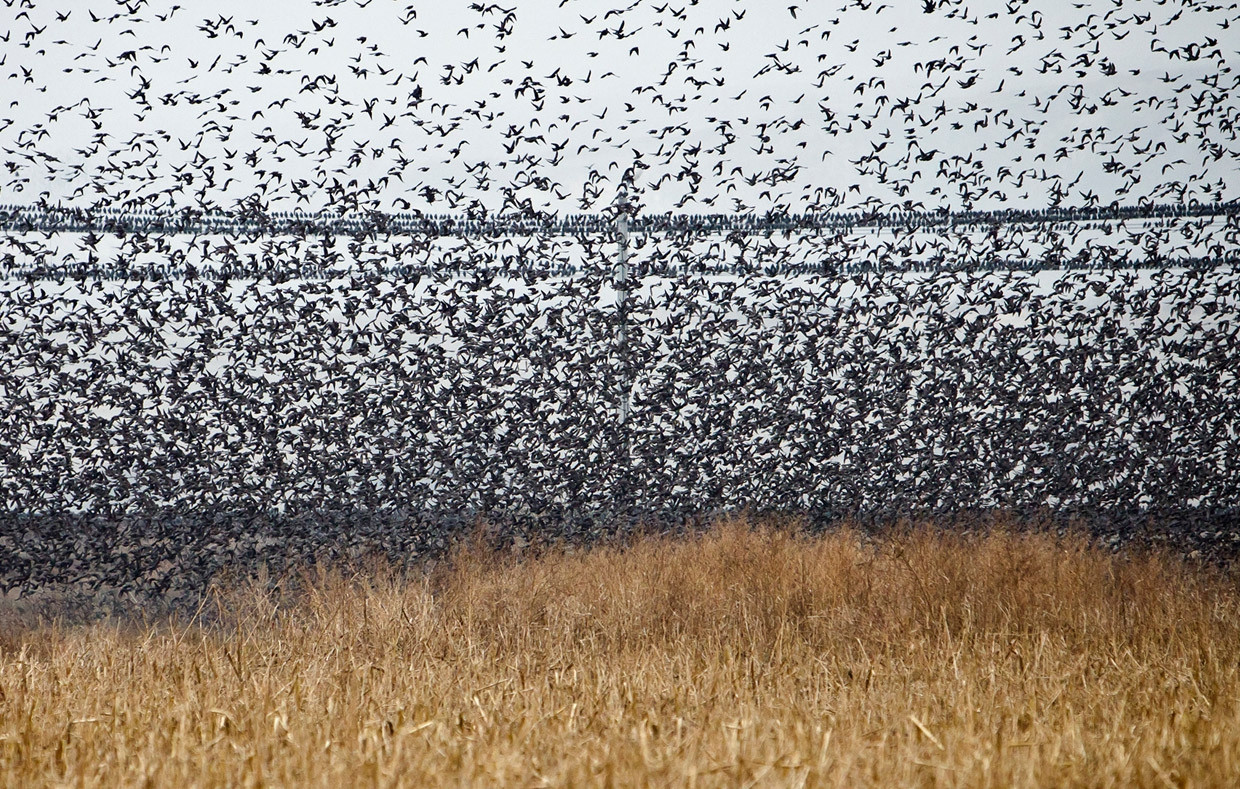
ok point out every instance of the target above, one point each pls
(748, 655)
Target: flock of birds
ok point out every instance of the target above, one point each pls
(729, 108)
(157, 435)
(275, 290)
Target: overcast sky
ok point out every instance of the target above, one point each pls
(722, 106)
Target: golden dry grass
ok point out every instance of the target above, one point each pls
(746, 657)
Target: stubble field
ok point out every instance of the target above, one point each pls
(752, 655)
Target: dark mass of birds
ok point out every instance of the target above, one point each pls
(325, 318)
(158, 434)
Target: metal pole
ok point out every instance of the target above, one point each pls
(621, 283)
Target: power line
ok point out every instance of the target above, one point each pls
(59, 219)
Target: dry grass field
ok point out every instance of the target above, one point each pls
(749, 656)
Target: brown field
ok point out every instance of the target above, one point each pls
(750, 656)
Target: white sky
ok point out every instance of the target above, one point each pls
(731, 105)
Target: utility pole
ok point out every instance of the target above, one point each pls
(623, 435)
(620, 277)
